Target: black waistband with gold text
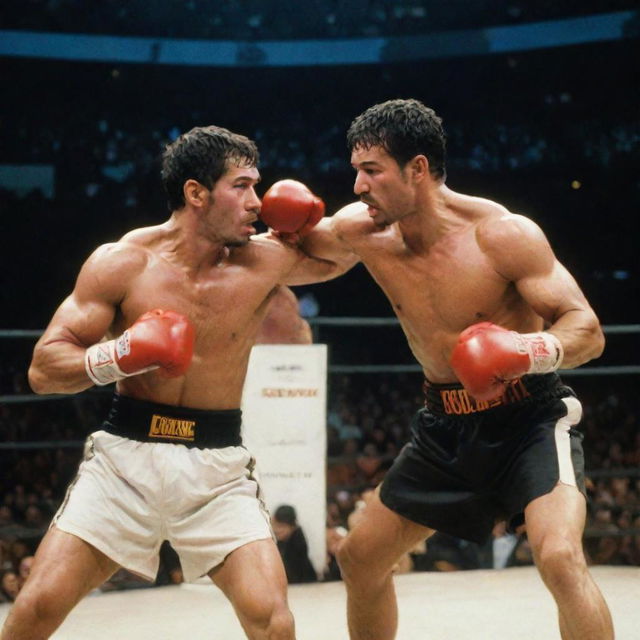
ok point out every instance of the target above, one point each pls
(152, 422)
(454, 400)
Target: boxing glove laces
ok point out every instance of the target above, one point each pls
(158, 339)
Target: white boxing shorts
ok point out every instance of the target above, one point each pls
(131, 495)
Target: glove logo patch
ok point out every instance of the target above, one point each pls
(540, 349)
(123, 347)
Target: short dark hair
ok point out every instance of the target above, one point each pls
(203, 154)
(286, 514)
(405, 129)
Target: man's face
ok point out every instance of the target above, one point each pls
(382, 185)
(233, 205)
(25, 567)
(10, 584)
(282, 530)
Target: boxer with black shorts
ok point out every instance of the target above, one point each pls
(476, 461)
(170, 313)
(490, 314)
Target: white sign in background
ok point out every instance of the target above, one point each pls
(284, 426)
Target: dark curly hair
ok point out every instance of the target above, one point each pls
(203, 154)
(405, 129)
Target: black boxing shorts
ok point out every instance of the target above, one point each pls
(470, 464)
(153, 422)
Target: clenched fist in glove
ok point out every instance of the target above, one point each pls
(488, 357)
(290, 207)
(156, 340)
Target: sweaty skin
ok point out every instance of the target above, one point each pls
(181, 265)
(447, 261)
(283, 323)
(452, 261)
(204, 264)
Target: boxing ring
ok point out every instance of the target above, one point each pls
(478, 604)
(482, 605)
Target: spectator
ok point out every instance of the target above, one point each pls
(24, 569)
(6, 516)
(335, 535)
(170, 571)
(630, 548)
(446, 553)
(292, 545)
(9, 585)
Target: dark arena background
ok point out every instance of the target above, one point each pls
(540, 105)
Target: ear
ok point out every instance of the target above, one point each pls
(194, 193)
(418, 168)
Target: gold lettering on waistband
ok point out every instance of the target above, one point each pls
(173, 428)
(458, 401)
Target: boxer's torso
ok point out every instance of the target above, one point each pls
(225, 302)
(438, 287)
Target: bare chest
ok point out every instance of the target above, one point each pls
(446, 288)
(225, 307)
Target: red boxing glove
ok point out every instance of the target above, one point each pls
(290, 207)
(487, 358)
(156, 340)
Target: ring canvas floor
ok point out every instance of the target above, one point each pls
(478, 605)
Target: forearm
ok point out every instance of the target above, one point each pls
(330, 268)
(325, 245)
(158, 339)
(58, 367)
(581, 336)
(310, 269)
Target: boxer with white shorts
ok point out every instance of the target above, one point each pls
(170, 313)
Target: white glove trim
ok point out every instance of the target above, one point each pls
(100, 363)
(545, 351)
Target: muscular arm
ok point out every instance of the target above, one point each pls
(82, 320)
(327, 254)
(520, 252)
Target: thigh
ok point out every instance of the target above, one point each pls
(560, 513)
(381, 536)
(253, 578)
(68, 568)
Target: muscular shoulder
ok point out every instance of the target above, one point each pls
(352, 221)
(503, 229)
(119, 257)
(267, 250)
(110, 268)
(271, 244)
(515, 244)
